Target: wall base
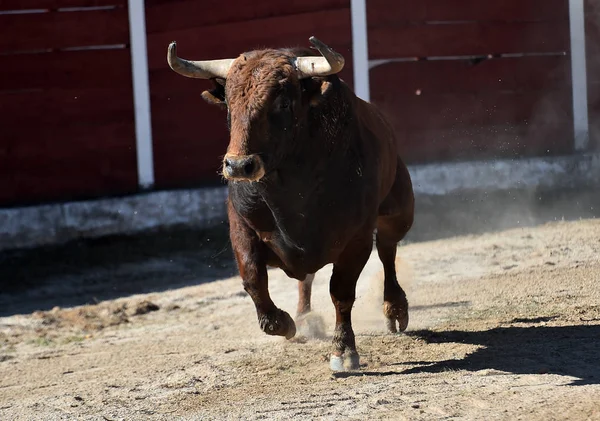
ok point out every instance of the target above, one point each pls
(200, 208)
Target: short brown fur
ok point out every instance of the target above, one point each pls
(332, 175)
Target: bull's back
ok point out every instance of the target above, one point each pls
(378, 132)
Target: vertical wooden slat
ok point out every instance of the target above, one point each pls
(141, 94)
(579, 75)
(360, 49)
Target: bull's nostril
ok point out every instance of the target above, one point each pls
(249, 168)
(241, 167)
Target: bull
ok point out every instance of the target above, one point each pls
(312, 172)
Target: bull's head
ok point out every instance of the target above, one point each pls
(266, 94)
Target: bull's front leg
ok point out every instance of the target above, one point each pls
(251, 257)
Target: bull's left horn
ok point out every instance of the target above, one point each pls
(331, 62)
(208, 69)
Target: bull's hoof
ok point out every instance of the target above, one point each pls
(352, 362)
(396, 312)
(336, 363)
(278, 323)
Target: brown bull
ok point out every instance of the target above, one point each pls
(312, 171)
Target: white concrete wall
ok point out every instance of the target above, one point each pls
(201, 208)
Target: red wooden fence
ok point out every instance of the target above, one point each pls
(470, 107)
(592, 25)
(67, 114)
(66, 111)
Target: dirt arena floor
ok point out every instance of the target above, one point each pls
(504, 325)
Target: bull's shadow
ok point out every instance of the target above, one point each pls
(92, 270)
(564, 350)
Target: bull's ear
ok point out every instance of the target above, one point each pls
(216, 95)
(316, 90)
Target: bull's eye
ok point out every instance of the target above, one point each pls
(284, 104)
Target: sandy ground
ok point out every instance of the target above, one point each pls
(503, 326)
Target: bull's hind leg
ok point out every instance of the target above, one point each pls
(310, 325)
(304, 293)
(395, 220)
(390, 230)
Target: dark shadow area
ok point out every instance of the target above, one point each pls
(413, 363)
(88, 271)
(346, 374)
(533, 319)
(451, 304)
(438, 217)
(564, 350)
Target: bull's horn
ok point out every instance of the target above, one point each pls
(331, 62)
(198, 69)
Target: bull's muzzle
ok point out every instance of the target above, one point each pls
(243, 168)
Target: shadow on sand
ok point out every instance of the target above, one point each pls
(85, 272)
(564, 350)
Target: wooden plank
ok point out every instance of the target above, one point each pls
(593, 66)
(57, 30)
(7, 192)
(447, 76)
(484, 142)
(190, 138)
(230, 40)
(594, 131)
(380, 13)
(55, 4)
(71, 161)
(71, 153)
(594, 115)
(469, 38)
(443, 111)
(58, 107)
(31, 142)
(7, 185)
(93, 165)
(592, 35)
(510, 10)
(67, 70)
(165, 82)
(170, 16)
(73, 185)
(188, 166)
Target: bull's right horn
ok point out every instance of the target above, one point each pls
(330, 62)
(198, 69)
